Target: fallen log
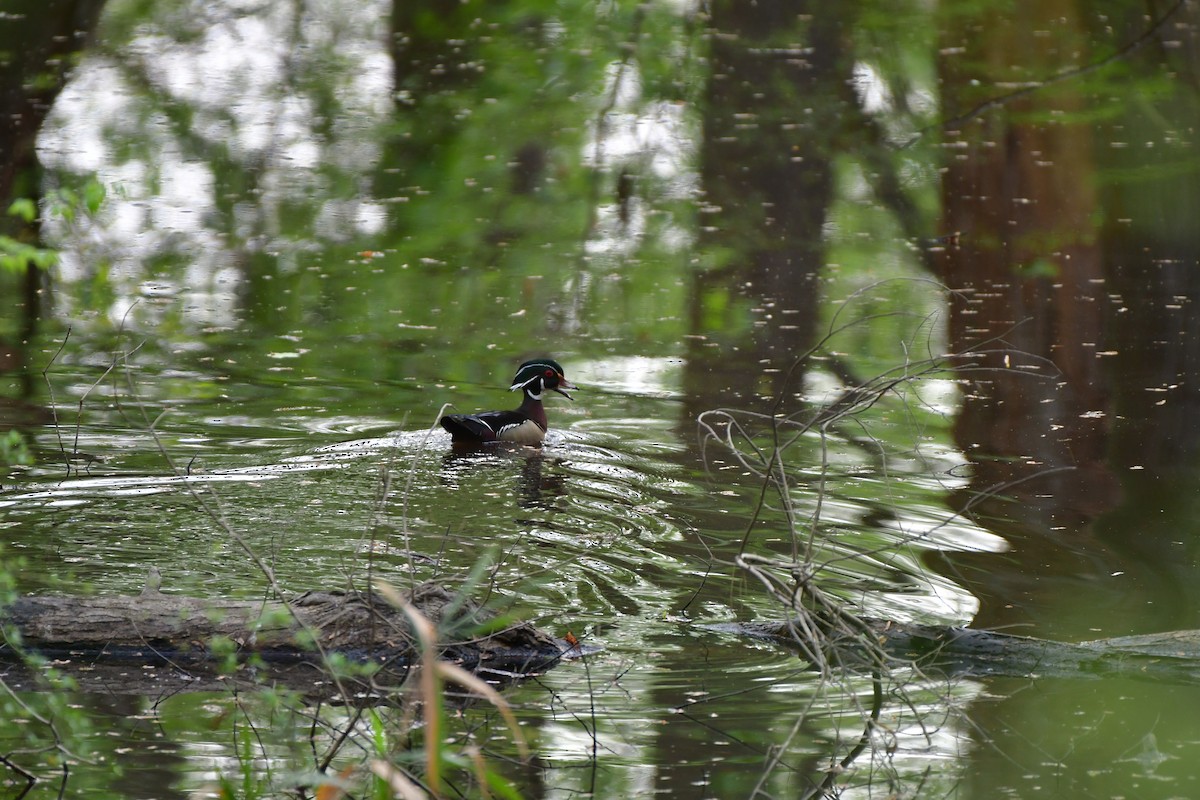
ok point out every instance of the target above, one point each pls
(155, 642)
(1170, 656)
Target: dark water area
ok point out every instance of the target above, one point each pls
(896, 298)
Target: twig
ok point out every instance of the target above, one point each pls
(30, 778)
(863, 741)
(831, 635)
(54, 405)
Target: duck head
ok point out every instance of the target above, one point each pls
(538, 375)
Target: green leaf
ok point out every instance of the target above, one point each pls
(94, 194)
(379, 733)
(23, 208)
(16, 256)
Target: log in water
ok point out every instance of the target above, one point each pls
(155, 642)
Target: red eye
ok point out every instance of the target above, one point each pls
(549, 373)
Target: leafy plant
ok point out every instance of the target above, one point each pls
(17, 254)
(45, 731)
(253, 786)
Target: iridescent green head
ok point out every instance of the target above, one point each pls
(537, 375)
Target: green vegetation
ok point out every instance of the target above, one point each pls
(14, 450)
(283, 236)
(17, 255)
(64, 204)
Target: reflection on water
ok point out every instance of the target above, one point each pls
(620, 530)
(289, 234)
(605, 532)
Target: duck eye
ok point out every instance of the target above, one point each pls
(549, 373)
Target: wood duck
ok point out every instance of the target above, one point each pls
(526, 424)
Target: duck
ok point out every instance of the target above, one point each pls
(526, 424)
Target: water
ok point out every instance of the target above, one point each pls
(288, 236)
(620, 530)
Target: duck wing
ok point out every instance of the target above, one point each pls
(484, 427)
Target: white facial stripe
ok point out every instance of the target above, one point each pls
(516, 386)
(542, 365)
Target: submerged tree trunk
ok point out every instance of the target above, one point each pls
(1169, 656)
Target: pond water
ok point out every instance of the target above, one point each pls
(287, 236)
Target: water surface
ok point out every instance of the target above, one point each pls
(288, 236)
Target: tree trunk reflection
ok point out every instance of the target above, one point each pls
(775, 100)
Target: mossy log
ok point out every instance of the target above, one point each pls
(154, 642)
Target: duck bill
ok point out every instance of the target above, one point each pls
(563, 383)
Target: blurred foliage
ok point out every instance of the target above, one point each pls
(17, 255)
(14, 450)
(64, 204)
